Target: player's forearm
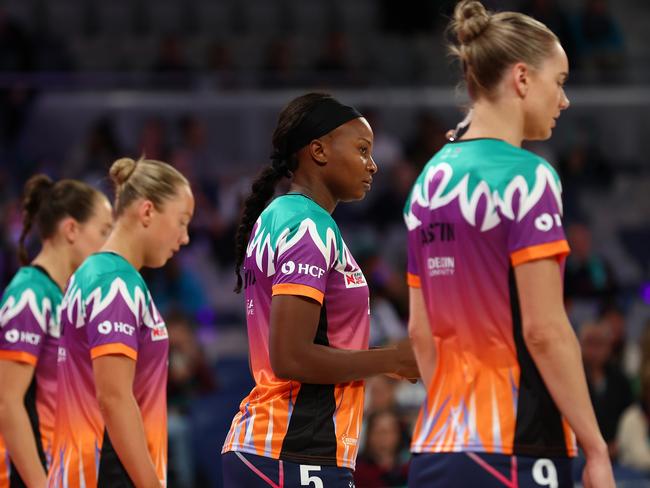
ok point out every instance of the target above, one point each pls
(126, 431)
(319, 364)
(556, 352)
(18, 436)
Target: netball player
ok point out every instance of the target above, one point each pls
(307, 306)
(506, 387)
(73, 221)
(111, 420)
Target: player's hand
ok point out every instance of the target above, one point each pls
(398, 377)
(598, 472)
(406, 367)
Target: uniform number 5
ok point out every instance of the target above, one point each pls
(306, 480)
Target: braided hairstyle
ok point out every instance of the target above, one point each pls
(46, 203)
(282, 166)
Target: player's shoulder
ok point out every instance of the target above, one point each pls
(498, 163)
(292, 212)
(31, 279)
(103, 270)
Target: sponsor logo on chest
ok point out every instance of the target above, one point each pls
(304, 269)
(354, 279)
(159, 332)
(107, 327)
(13, 336)
(441, 265)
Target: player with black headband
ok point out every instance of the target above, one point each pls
(307, 306)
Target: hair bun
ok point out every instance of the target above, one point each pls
(470, 20)
(121, 170)
(37, 189)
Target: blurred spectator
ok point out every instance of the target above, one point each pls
(171, 64)
(189, 377)
(195, 160)
(634, 429)
(428, 138)
(600, 39)
(193, 154)
(277, 69)
(385, 324)
(380, 393)
(154, 141)
(219, 57)
(387, 205)
(623, 353)
(581, 168)
(608, 387)
(384, 459)
(588, 275)
(176, 287)
(92, 158)
(333, 65)
(633, 438)
(387, 149)
(219, 64)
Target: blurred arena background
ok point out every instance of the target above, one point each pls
(199, 83)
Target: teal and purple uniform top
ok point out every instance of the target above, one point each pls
(29, 333)
(107, 310)
(480, 208)
(296, 248)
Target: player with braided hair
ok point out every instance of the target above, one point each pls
(307, 306)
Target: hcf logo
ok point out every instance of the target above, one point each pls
(304, 269)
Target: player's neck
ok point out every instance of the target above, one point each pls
(498, 120)
(56, 261)
(314, 189)
(126, 243)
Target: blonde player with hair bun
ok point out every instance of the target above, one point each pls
(111, 422)
(506, 391)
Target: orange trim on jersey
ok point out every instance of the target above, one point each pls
(114, 348)
(19, 356)
(540, 251)
(302, 290)
(569, 438)
(413, 280)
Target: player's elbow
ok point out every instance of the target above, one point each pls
(110, 400)
(418, 332)
(542, 335)
(285, 365)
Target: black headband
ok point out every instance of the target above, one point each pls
(322, 119)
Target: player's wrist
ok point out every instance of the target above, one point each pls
(596, 448)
